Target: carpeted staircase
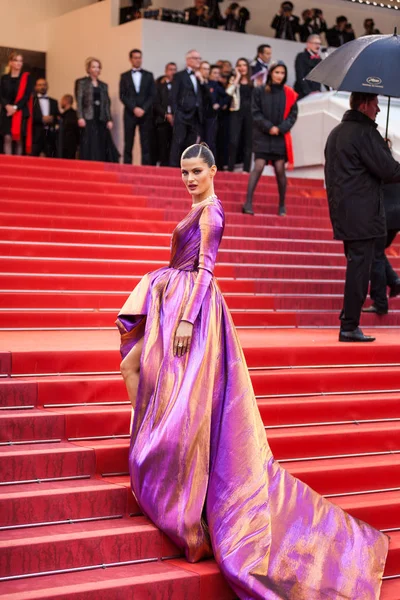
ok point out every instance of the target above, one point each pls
(75, 238)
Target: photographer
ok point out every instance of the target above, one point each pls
(313, 23)
(286, 25)
(198, 14)
(369, 27)
(341, 33)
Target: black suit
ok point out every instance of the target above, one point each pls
(187, 108)
(303, 65)
(162, 107)
(336, 38)
(44, 137)
(143, 99)
(286, 27)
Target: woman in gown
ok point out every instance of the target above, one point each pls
(94, 115)
(16, 107)
(201, 468)
(274, 110)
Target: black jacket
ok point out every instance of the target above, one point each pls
(391, 201)
(215, 94)
(312, 26)
(38, 124)
(304, 64)
(131, 99)
(84, 100)
(69, 134)
(357, 162)
(268, 109)
(185, 101)
(7, 96)
(336, 38)
(286, 28)
(163, 100)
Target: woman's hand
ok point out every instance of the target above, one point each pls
(81, 122)
(109, 125)
(183, 338)
(237, 75)
(10, 110)
(274, 130)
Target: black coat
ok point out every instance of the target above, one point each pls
(304, 64)
(336, 38)
(268, 109)
(163, 100)
(185, 101)
(215, 94)
(286, 28)
(7, 96)
(69, 134)
(357, 162)
(131, 99)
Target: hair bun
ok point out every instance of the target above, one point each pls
(205, 145)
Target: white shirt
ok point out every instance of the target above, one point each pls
(44, 105)
(193, 79)
(137, 80)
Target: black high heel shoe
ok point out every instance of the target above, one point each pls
(247, 211)
(282, 211)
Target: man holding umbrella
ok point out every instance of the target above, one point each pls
(358, 161)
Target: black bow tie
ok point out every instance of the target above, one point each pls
(136, 70)
(44, 97)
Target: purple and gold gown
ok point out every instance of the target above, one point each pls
(200, 464)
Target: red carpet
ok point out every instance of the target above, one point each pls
(75, 238)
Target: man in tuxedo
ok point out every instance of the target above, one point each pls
(137, 92)
(45, 121)
(69, 131)
(187, 106)
(163, 118)
(305, 62)
(259, 68)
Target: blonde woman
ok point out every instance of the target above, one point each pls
(16, 107)
(94, 114)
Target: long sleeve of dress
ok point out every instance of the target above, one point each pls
(211, 229)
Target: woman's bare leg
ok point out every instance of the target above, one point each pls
(7, 144)
(130, 370)
(19, 148)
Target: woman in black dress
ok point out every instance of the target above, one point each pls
(94, 115)
(274, 111)
(240, 87)
(16, 107)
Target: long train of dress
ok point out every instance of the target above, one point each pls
(200, 464)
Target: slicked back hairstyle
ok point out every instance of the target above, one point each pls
(358, 98)
(200, 151)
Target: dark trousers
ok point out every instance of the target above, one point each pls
(44, 141)
(164, 140)
(145, 126)
(241, 124)
(185, 133)
(210, 133)
(359, 255)
(223, 138)
(382, 272)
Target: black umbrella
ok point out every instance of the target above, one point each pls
(369, 64)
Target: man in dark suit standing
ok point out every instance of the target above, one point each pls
(137, 92)
(305, 62)
(45, 120)
(163, 118)
(285, 23)
(341, 33)
(187, 106)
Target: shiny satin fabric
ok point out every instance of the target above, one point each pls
(200, 464)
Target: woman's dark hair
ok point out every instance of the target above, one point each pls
(248, 75)
(271, 70)
(200, 151)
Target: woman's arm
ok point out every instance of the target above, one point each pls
(211, 230)
(3, 91)
(108, 103)
(290, 120)
(259, 119)
(79, 97)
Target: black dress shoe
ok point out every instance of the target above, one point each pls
(354, 336)
(375, 310)
(395, 289)
(247, 211)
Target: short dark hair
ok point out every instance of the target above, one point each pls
(135, 51)
(215, 67)
(262, 47)
(200, 151)
(290, 5)
(358, 98)
(341, 19)
(170, 64)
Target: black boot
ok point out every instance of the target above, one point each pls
(247, 209)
